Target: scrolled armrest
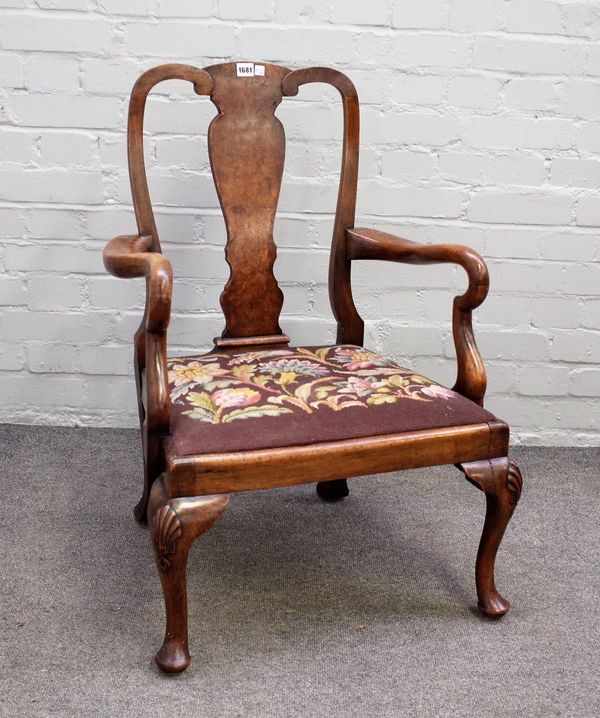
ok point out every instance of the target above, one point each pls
(371, 244)
(130, 256)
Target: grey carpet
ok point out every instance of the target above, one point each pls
(297, 608)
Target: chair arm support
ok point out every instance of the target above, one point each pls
(372, 244)
(129, 256)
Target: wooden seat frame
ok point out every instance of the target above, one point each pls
(184, 495)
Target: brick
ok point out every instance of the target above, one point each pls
(474, 91)
(11, 222)
(49, 293)
(65, 4)
(373, 86)
(186, 152)
(406, 201)
(591, 314)
(543, 56)
(181, 117)
(518, 243)
(525, 277)
(515, 169)
(462, 167)
(108, 222)
(62, 148)
(510, 133)
(588, 137)
(593, 61)
(47, 73)
(575, 172)
(532, 93)
(11, 71)
(566, 245)
(482, 16)
(45, 393)
(418, 89)
(582, 279)
(53, 224)
(55, 34)
(178, 39)
(236, 9)
(17, 146)
(74, 359)
(499, 305)
(534, 16)
(187, 8)
(109, 77)
(360, 13)
(404, 164)
(112, 151)
(110, 393)
(582, 19)
(415, 15)
(53, 258)
(12, 357)
(587, 211)
(581, 99)
(513, 346)
(575, 346)
(556, 313)
(131, 7)
(51, 186)
(177, 189)
(512, 208)
(12, 291)
(544, 381)
(410, 128)
(65, 111)
(113, 293)
(295, 45)
(55, 326)
(423, 50)
(585, 382)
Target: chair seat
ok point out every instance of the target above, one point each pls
(223, 402)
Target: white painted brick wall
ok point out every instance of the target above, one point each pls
(480, 125)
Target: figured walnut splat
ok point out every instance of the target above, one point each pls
(246, 144)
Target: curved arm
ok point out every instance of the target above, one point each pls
(371, 244)
(128, 256)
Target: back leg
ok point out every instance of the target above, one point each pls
(333, 490)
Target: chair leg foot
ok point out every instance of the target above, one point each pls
(501, 481)
(333, 490)
(175, 524)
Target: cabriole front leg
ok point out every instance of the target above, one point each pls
(501, 481)
(175, 524)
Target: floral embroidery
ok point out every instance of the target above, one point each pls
(220, 388)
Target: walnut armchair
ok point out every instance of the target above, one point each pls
(255, 413)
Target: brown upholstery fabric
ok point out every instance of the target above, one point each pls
(303, 395)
